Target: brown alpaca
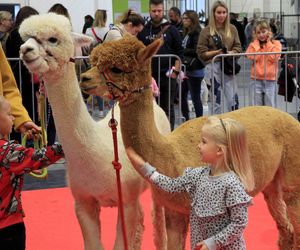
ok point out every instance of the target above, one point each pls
(121, 68)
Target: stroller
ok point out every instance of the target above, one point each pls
(290, 88)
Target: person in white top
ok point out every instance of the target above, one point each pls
(99, 29)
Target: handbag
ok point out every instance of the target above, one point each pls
(229, 65)
(192, 63)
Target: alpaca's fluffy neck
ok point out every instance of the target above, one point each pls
(72, 120)
(137, 121)
(139, 132)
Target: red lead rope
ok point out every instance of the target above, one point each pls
(117, 166)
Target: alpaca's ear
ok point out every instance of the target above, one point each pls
(81, 40)
(149, 51)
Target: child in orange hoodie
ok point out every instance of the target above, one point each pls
(264, 67)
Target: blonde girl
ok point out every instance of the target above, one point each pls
(219, 202)
(264, 68)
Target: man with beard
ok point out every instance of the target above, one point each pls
(175, 19)
(160, 28)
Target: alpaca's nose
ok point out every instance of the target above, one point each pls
(25, 49)
(28, 46)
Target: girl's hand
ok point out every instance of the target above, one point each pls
(135, 159)
(201, 246)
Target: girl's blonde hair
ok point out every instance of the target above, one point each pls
(100, 18)
(212, 21)
(261, 24)
(230, 136)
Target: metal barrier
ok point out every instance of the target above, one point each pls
(243, 84)
(241, 81)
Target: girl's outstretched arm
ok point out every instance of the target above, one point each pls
(136, 160)
(149, 172)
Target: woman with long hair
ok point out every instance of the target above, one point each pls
(194, 67)
(220, 37)
(128, 23)
(24, 79)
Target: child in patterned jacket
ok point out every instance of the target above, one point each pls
(15, 161)
(219, 201)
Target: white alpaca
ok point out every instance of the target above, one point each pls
(48, 50)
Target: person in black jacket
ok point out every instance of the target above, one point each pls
(175, 19)
(239, 27)
(159, 28)
(194, 67)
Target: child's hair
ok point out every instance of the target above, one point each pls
(230, 135)
(261, 24)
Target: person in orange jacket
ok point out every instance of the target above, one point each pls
(264, 68)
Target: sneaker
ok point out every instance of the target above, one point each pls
(101, 114)
(98, 113)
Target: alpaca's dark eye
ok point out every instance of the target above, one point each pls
(52, 40)
(116, 70)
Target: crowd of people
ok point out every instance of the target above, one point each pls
(192, 43)
(184, 36)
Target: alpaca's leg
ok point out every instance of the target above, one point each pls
(159, 226)
(274, 197)
(292, 199)
(177, 227)
(134, 219)
(87, 212)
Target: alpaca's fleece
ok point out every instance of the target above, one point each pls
(273, 140)
(88, 146)
(49, 30)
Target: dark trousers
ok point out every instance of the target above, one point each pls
(51, 129)
(194, 84)
(167, 96)
(184, 100)
(13, 237)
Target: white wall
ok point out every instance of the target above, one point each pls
(77, 8)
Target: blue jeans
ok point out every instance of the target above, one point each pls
(217, 94)
(99, 102)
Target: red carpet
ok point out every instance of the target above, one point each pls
(51, 223)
